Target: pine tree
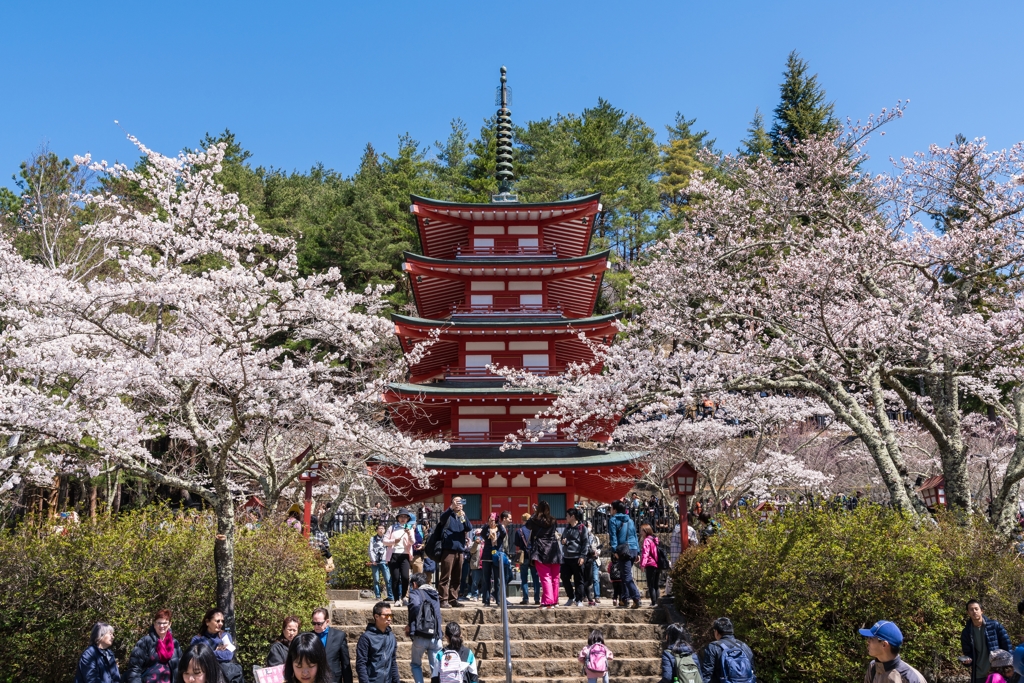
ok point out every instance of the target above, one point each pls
(802, 111)
(757, 141)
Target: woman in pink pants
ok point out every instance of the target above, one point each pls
(546, 554)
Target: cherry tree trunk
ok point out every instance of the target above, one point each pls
(224, 559)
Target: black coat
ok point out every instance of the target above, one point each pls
(143, 665)
(97, 666)
(338, 660)
(544, 547)
(278, 653)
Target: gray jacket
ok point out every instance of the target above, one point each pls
(377, 656)
(575, 541)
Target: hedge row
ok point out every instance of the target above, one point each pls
(120, 570)
(799, 586)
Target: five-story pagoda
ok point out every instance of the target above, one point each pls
(504, 284)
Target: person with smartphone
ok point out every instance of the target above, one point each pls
(401, 538)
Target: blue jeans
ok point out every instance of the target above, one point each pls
(597, 579)
(380, 571)
(419, 646)
(524, 569)
(476, 582)
(629, 589)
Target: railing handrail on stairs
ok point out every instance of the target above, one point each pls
(504, 617)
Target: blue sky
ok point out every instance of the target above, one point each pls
(307, 82)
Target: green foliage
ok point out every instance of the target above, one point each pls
(798, 588)
(350, 551)
(122, 569)
(802, 111)
(757, 142)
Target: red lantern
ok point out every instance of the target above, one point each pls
(683, 480)
(933, 490)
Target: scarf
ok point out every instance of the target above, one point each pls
(165, 648)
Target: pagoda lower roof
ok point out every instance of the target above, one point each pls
(504, 211)
(456, 389)
(522, 266)
(519, 322)
(491, 457)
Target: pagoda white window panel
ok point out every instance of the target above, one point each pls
(530, 286)
(490, 346)
(478, 360)
(481, 300)
(534, 300)
(527, 346)
(482, 410)
(489, 230)
(483, 242)
(535, 424)
(526, 410)
(528, 242)
(522, 230)
(535, 361)
(474, 425)
(487, 286)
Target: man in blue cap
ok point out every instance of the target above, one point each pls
(884, 642)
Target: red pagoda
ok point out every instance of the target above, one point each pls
(505, 284)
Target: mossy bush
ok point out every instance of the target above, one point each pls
(351, 555)
(798, 587)
(121, 569)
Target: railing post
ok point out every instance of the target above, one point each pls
(500, 558)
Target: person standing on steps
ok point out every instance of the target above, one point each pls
(456, 663)
(335, 644)
(400, 538)
(424, 627)
(884, 641)
(650, 552)
(679, 662)
(454, 526)
(726, 659)
(494, 542)
(377, 649)
(379, 556)
(526, 567)
(575, 544)
(595, 657)
(980, 637)
(592, 569)
(545, 553)
(623, 540)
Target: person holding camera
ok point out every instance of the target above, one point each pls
(401, 538)
(453, 527)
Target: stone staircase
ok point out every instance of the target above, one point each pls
(544, 642)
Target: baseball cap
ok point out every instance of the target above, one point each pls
(1000, 658)
(884, 630)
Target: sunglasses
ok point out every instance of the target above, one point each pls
(319, 623)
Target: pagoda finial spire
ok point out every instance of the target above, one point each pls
(504, 136)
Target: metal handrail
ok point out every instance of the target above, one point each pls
(494, 437)
(500, 559)
(521, 309)
(516, 250)
(472, 372)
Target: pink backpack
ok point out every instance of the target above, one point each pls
(597, 658)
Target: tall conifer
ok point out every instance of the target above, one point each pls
(803, 111)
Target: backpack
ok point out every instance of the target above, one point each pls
(685, 670)
(428, 619)
(597, 658)
(432, 548)
(661, 556)
(734, 664)
(452, 669)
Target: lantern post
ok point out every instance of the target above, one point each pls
(310, 476)
(683, 480)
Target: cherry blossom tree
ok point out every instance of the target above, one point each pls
(202, 337)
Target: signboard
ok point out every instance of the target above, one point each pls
(312, 474)
(269, 674)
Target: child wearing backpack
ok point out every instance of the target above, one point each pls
(615, 574)
(679, 662)
(454, 663)
(595, 657)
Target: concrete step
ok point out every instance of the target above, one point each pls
(494, 669)
(570, 679)
(552, 649)
(555, 631)
(348, 618)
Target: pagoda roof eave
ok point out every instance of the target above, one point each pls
(517, 323)
(545, 457)
(432, 390)
(508, 206)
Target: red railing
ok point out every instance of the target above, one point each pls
(470, 251)
(498, 437)
(463, 372)
(489, 309)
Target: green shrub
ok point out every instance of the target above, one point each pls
(797, 588)
(120, 570)
(351, 555)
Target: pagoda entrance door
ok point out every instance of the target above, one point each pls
(517, 505)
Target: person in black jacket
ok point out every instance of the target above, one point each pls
(494, 541)
(98, 664)
(575, 543)
(454, 526)
(979, 638)
(725, 640)
(335, 644)
(677, 645)
(154, 659)
(526, 568)
(377, 649)
(545, 553)
(279, 648)
(420, 594)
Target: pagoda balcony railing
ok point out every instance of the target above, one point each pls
(533, 311)
(462, 251)
(499, 437)
(457, 372)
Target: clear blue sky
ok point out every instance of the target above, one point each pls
(306, 82)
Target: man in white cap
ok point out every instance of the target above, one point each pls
(884, 641)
